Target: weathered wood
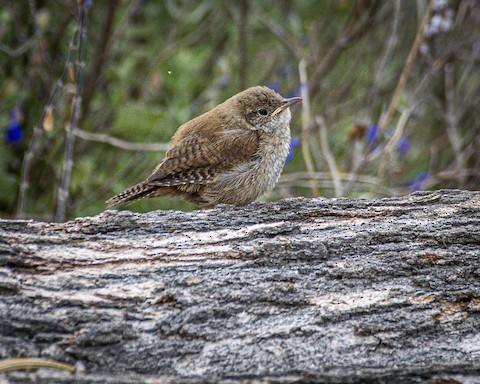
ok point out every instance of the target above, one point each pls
(294, 291)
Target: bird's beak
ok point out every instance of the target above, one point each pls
(286, 104)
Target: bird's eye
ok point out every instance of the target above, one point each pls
(263, 112)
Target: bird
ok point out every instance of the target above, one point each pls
(231, 154)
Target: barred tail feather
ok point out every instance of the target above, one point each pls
(131, 194)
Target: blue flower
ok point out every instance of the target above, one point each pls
(372, 135)
(294, 143)
(418, 182)
(13, 133)
(403, 146)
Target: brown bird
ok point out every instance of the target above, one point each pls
(229, 155)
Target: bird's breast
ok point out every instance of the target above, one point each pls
(270, 161)
(245, 182)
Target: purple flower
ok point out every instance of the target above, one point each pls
(403, 146)
(294, 143)
(418, 182)
(372, 135)
(13, 133)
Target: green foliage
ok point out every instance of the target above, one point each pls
(151, 66)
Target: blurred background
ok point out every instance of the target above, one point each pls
(91, 92)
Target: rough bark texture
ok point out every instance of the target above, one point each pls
(301, 290)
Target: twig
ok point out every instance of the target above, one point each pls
(390, 146)
(449, 175)
(132, 9)
(8, 365)
(20, 50)
(451, 121)
(402, 80)
(63, 190)
(298, 179)
(392, 42)
(289, 43)
(38, 131)
(354, 29)
(358, 161)
(306, 123)
(328, 156)
(119, 143)
(242, 44)
(102, 48)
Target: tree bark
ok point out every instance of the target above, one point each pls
(300, 290)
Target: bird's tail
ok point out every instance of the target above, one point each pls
(131, 194)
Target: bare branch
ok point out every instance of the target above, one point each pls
(332, 165)
(38, 132)
(63, 190)
(402, 80)
(242, 44)
(119, 143)
(306, 123)
(392, 143)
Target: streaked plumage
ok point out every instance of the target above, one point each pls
(231, 154)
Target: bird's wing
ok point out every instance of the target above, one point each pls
(196, 160)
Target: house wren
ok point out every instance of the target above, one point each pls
(229, 155)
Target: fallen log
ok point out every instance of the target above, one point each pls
(300, 290)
